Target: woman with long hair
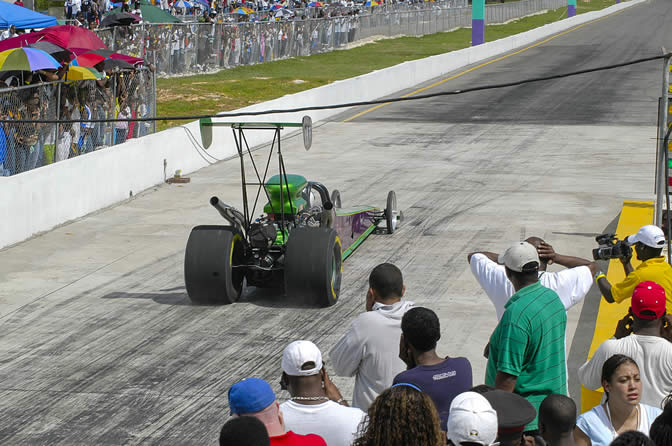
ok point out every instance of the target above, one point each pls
(622, 410)
(402, 415)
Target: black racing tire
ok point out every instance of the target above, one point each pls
(212, 272)
(336, 198)
(391, 212)
(313, 266)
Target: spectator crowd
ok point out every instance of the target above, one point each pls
(408, 393)
(25, 146)
(90, 13)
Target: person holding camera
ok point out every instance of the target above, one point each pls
(648, 243)
(644, 334)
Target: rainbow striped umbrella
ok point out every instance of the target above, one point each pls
(26, 59)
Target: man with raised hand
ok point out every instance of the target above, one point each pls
(571, 284)
(369, 350)
(527, 349)
(316, 405)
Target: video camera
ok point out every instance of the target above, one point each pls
(611, 248)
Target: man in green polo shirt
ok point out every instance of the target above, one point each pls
(527, 349)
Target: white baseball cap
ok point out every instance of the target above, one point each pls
(472, 419)
(519, 255)
(297, 354)
(650, 235)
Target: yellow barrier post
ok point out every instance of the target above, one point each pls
(634, 215)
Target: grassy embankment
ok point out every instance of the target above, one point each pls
(246, 85)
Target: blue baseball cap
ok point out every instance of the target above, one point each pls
(249, 396)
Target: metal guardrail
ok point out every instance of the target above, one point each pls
(25, 146)
(193, 48)
(662, 216)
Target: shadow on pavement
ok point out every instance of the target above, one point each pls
(159, 298)
(272, 298)
(262, 297)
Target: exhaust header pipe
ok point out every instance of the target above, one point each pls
(229, 213)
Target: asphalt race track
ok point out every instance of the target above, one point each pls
(99, 343)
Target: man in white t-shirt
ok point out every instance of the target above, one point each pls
(369, 350)
(316, 405)
(571, 284)
(646, 345)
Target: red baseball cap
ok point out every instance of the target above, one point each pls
(648, 296)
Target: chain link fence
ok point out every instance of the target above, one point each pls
(192, 48)
(25, 146)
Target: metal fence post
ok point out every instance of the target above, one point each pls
(114, 109)
(58, 116)
(154, 113)
(477, 22)
(662, 169)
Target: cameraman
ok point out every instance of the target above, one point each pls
(648, 242)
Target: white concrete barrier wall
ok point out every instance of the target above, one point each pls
(40, 199)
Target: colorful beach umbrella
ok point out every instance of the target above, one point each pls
(242, 10)
(372, 3)
(83, 73)
(276, 6)
(183, 4)
(315, 4)
(27, 59)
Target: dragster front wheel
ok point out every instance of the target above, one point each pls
(213, 265)
(392, 214)
(313, 266)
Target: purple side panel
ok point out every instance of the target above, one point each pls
(571, 10)
(350, 227)
(477, 32)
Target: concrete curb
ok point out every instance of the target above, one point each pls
(40, 199)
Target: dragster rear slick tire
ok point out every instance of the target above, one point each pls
(211, 274)
(313, 266)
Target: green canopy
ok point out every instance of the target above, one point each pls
(152, 14)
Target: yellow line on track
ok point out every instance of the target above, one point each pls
(435, 84)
